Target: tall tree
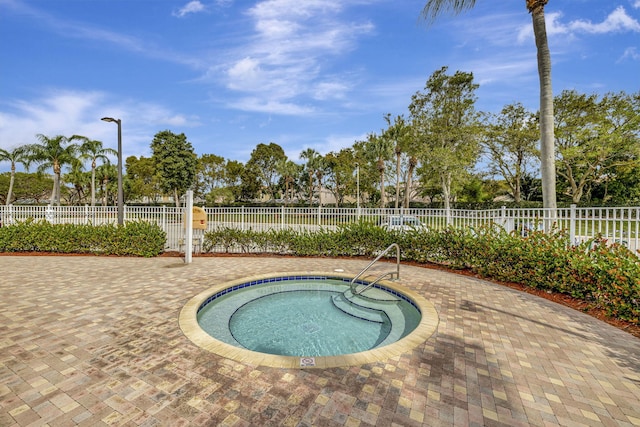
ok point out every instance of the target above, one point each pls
(288, 171)
(379, 149)
(250, 187)
(17, 155)
(93, 150)
(141, 180)
(447, 127)
(175, 163)
(209, 175)
(397, 133)
(233, 171)
(54, 153)
(340, 177)
(107, 176)
(510, 142)
(433, 8)
(311, 167)
(265, 160)
(413, 149)
(79, 181)
(595, 137)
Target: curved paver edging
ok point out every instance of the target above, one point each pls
(192, 330)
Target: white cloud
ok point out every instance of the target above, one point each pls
(504, 68)
(67, 112)
(636, 4)
(256, 104)
(630, 53)
(245, 75)
(330, 90)
(616, 22)
(292, 43)
(193, 6)
(275, 9)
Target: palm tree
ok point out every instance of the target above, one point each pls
(397, 132)
(53, 153)
(79, 180)
(106, 173)
(312, 157)
(93, 150)
(547, 142)
(379, 149)
(288, 170)
(17, 155)
(412, 151)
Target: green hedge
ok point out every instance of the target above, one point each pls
(133, 238)
(606, 276)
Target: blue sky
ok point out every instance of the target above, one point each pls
(301, 73)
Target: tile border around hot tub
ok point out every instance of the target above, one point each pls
(190, 327)
(309, 277)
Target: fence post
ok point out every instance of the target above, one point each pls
(188, 223)
(282, 217)
(319, 219)
(503, 218)
(572, 225)
(242, 217)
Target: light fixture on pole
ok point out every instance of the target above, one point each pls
(120, 191)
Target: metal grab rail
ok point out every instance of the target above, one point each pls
(391, 273)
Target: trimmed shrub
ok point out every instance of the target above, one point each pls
(133, 238)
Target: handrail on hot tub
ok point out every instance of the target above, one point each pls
(391, 273)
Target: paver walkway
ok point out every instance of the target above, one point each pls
(95, 341)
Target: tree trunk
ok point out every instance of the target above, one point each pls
(517, 191)
(176, 197)
(310, 188)
(547, 140)
(383, 200)
(93, 184)
(105, 183)
(445, 180)
(407, 188)
(319, 175)
(398, 154)
(55, 193)
(11, 180)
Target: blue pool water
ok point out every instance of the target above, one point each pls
(301, 318)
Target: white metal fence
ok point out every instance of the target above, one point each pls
(620, 225)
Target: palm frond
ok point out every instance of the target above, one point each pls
(433, 8)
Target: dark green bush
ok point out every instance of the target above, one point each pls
(133, 238)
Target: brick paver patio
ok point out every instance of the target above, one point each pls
(95, 341)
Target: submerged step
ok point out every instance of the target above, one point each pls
(374, 294)
(342, 303)
(374, 311)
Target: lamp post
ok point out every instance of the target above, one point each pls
(120, 191)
